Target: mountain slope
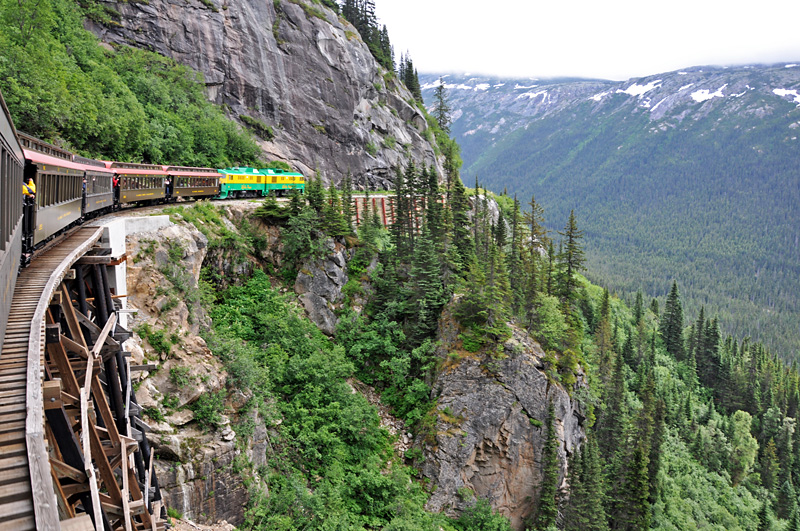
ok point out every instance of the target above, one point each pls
(688, 175)
(296, 67)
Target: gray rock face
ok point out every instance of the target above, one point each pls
(319, 285)
(311, 79)
(487, 436)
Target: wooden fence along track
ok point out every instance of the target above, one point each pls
(72, 453)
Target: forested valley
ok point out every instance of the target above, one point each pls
(687, 428)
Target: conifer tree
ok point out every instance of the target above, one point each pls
(402, 207)
(549, 271)
(547, 509)
(459, 208)
(794, 520)
(332, 212)
(654, 306)
(638, 308)
(786, 503)
(764, 516)
(586, 508)
(671, 326)
(534, 219)
(315, 192)
(517, 275)
(441, 107)
(347, 202)
(571, 260)
(428, 290)
(296, 202)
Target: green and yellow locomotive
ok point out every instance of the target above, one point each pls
(250, 182)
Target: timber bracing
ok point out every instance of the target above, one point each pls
(73, 454)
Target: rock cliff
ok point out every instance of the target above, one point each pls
(295, 66)
(200, 464)
(488, 432)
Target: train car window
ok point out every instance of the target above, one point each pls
(4, 179)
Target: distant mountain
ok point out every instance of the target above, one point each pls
(693, 175)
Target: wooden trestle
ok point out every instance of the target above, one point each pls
(72, 455)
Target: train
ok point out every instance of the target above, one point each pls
(71, 188)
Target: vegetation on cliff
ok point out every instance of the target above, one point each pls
(125, 104)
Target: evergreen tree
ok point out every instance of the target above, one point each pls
(296, 202)
(585, 509)
(786, 503)
(347, 202)
(315, 192)
(534, 219)
(547, 509)
(794, 520)
(441, 107)
(332, 212)
(570, 260)
(549, 271)
(671, 327)
(764, 516)
(428, 290)
(459, 208)
(638, 308)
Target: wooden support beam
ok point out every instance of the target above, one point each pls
(125, 487)
(104, 334)
(63, 470)
(52, 394)
(71, 317)
(107, 260)
(74, 347)
(58, 355)
(94, 329)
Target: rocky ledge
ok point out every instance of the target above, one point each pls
(489, 430)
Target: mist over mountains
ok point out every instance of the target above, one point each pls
(690, 175)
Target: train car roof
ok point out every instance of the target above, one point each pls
(186, 171)
(8, 133)
(240, 170)
(130, 168)
(91, 165)
(278, 171)
(47, 160)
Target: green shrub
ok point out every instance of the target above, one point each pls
(157, 338)
(261, 129)
(208, 409)
(371, 148)
(180, 376)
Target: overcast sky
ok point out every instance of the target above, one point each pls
(612, 39)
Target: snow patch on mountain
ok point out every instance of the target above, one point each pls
(785, 92)
(746, 88)
(685, 87)
(517, 86)
(532, 95)
(657, 104)
(704, 94)
(791, 65)
(639, 90)
(598, 97)
(482, 86)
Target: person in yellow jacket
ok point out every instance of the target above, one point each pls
(29, 189)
